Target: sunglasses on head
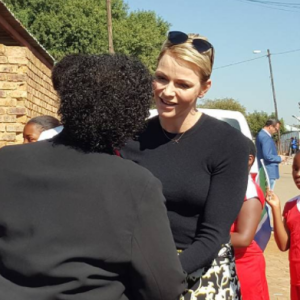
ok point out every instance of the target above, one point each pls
(178, 37)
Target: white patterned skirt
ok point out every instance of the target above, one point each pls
(215, 282)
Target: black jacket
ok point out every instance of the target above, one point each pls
(82, 226)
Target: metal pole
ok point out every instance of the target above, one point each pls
(109, 27)
(274, 95)
(272, 82)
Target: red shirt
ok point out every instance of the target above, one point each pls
(250, 261)
(291, 213)
(253, 191)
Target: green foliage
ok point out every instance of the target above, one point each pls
(141, 34)
(79, 26)
(257, 121)
(225, 103)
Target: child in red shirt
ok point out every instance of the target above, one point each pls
(249, 258)
(287, 231)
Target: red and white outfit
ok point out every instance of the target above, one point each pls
(291, 213)
(250, 261)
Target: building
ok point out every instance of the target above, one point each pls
(285, 139)
(25, 79)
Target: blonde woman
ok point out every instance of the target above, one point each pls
(201, 162)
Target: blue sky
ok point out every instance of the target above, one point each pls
(236, 28)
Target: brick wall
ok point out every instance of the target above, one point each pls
(25, 92)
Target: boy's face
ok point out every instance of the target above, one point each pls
(296, 170)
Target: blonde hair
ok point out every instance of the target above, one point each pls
(187, 52)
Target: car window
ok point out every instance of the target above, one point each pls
(234, 123)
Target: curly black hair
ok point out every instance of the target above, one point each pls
(104, 99)
(44, 122)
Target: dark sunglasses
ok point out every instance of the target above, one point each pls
(178, 37)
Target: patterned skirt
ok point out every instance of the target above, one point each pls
(215, 282)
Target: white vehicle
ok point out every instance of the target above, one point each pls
(233, 118)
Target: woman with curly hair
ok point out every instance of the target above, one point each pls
(77, 221)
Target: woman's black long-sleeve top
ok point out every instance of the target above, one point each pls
(204, 179)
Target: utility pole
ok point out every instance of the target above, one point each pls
(274, 95)
(109, 27)
(272, 82)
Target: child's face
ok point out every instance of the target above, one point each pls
(296, 170)
(251, 160)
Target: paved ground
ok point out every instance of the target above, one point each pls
(277, 261)
(285, 187)
(277, 272)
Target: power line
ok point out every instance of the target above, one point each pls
(266, 5)
(245, 61)
(275, 3)
(240, 62)
(286, 52)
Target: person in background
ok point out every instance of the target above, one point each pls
(293, 145)
(77, 221)
(297, 144)
(287, 229)
(37, 125)
(250, 261)
(266, 150)
(201, 162)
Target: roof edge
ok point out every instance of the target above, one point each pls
(23, 36)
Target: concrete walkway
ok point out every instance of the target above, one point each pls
(277, 262)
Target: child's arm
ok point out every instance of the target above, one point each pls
(281, 232)
(247, 222)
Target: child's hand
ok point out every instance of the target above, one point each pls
(272, 199)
